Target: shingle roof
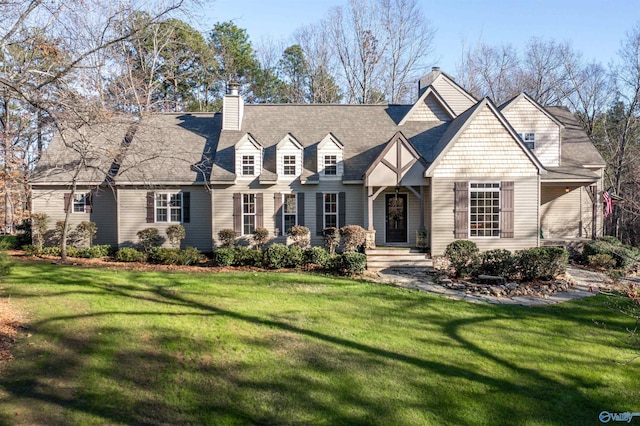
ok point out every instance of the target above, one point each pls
(362, 129)
(577, 148)
(164, 148)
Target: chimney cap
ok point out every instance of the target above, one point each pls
(435, 68)
(232, 88)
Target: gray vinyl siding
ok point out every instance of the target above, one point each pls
(223, 206)
(456, 99)
(133, 215)
(50, 201)
(526, 216)
(568, 214)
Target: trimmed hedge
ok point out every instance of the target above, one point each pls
(223, 256)
(463, 255)
(129, 254)
(624, 256)
(498, 262)
(351, 263)
(173, 256)
(244, 256)
(541, 263)
(317, 256)
(276, 256)
(94, 251)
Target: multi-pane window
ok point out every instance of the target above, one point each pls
(79, 203)
(290, 211)
(331, 165)
(248, 213)
(168, 207)
(484, 211)
(529, 140)
(331, 210)
(248, 165)
(289, 165)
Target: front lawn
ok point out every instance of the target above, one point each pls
(126, 347)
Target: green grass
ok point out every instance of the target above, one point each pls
(121, 347)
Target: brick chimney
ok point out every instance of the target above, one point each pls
(232, 108)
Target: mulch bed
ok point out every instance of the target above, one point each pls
(10, 324)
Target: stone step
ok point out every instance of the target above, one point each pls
(397, 257)
(382, 264)
(392, 251)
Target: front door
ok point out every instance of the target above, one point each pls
(396, 214)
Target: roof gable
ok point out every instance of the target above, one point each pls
(328, 140)
(289, 139)
(249, 139)
(523, 97)
(462, 122)
(429, 107)
(394, 164)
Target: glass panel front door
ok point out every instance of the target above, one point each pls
(396, 218)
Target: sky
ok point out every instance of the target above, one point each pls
(594, 27)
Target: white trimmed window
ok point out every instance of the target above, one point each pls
(168, 207)
(248, 213)
(248, 165)
(331, 210)
(529, 140)
(289, 165)
(330, 165)
(80, 203)
(484, 209)
(289, 211)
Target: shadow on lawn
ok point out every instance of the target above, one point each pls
(289, 397)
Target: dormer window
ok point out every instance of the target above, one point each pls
(289, 166)
(248, 165)
(248, 157)
(330, 165)
(289, 157)
(330, 158)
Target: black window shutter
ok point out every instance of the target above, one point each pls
(342, 209)
(88, 207)
(319, 213)
(186, 207)
(150, 207)
(259, 210)
(237, 213)
(67, 199)
(277, 207)
(461, 209)
(507, 209)
(301, 208)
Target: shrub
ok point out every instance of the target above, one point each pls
(223, 256)
(601, 260)
(129, 254)
(353, 237)
(54, 251)
(352, 263)
(541, 263)
(301, 236)
(175, 234)
(86, 231)
(244, 256)
(497, 262)
(38, 228)
(260, 237)
(10, 241)
(5, 260)
(317, 256)
(295, 257)
(24, 236)
(149, 238)
(276, 256)
(174, 256)
(463, 256)
(227, 237)
(94, 251)
(32, 250)
(331, 239)
(625, 256)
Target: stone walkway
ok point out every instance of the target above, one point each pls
(587, 284)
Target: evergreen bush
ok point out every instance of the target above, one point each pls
(129, 254)
(463, 256)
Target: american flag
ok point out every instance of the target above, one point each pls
(608, 204)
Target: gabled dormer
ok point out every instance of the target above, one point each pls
(539, 130)
(330, 158)
(289, 158)
(248, 157)
(429, 107)
(458, 99)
